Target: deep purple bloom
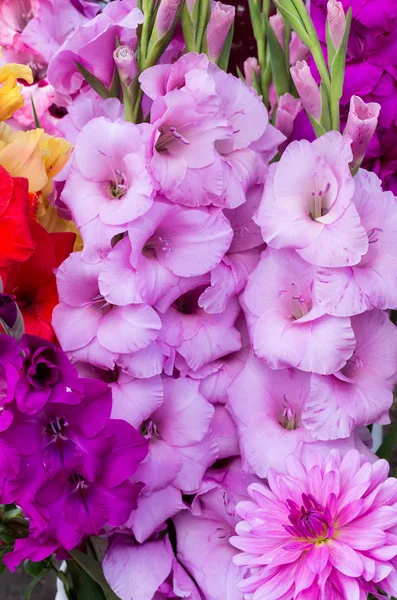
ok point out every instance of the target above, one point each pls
(8, 310)
(47, 375)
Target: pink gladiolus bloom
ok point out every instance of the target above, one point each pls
(126, 64)
(308, 89)
(362, 392)
(307, 203)
(91, 328)
(181, 445)
(109, 177)
(360, 126)
(372, 283)
(287, 328)
(143, 571)
(323, 529)
(336, 22)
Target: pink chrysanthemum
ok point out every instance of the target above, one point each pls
(325, 529)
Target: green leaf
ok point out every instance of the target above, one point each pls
(256, 20)
(36, 118)
(223, 60)
(325, 119)
(158, 46)
(83, 586)
(389, 444)
(35, 568)
(289, 10)
(114, 90)
(337, 69)
(94, 570)
(32, 585)
(203, 20)
(277, 61)
(96, 84)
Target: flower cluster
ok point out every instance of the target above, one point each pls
(64, 460)
(199, 365)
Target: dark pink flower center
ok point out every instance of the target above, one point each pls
(170, 136)
(311, 521)
(56, 427)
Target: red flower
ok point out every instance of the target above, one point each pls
(32, 282)
(15, 219)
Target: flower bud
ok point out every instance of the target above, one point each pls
(166, 15)
(218, 28)
(287, 111)
(125, 60)
(360, 126)
(307, 88)
(251, 67)
(276, 21)
(336, 20)
(297, 49)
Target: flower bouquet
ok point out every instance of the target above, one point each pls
(198, 268)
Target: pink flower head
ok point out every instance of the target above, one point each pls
(371, 283)
(287, 327)
(14, 17)
(308, 89)
(323, 529)
(276, 21)
(54, 22)
(336, 20)
(195, 338)
(362, 392)
(181, 446)
(171, 242)
(89, 41)
(307, 203)
(152, 570)
(203, 534)
(89, 327)
(222, 17)
(360, 126)
(108, 177)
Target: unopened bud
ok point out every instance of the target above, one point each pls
(251, 68)
(126, 64)
(287, 110)
(308, 89)
(218, 28)
(336, 20)
(360, 126)
(276, 21)
(166, 15)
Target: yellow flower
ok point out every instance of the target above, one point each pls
(55, 153)
(11, 98)
(21, 156)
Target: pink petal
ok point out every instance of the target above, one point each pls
(129, 328)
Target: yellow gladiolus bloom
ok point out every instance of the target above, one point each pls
(11, 98)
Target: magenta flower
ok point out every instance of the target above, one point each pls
(287, 328)
(46, 376)
(307, 203)
(323, 529)
(371, 283)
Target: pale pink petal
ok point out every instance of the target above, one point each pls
(129, 328)
(134, 400)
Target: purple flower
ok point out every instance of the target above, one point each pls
(46, 376)
(8, 310)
